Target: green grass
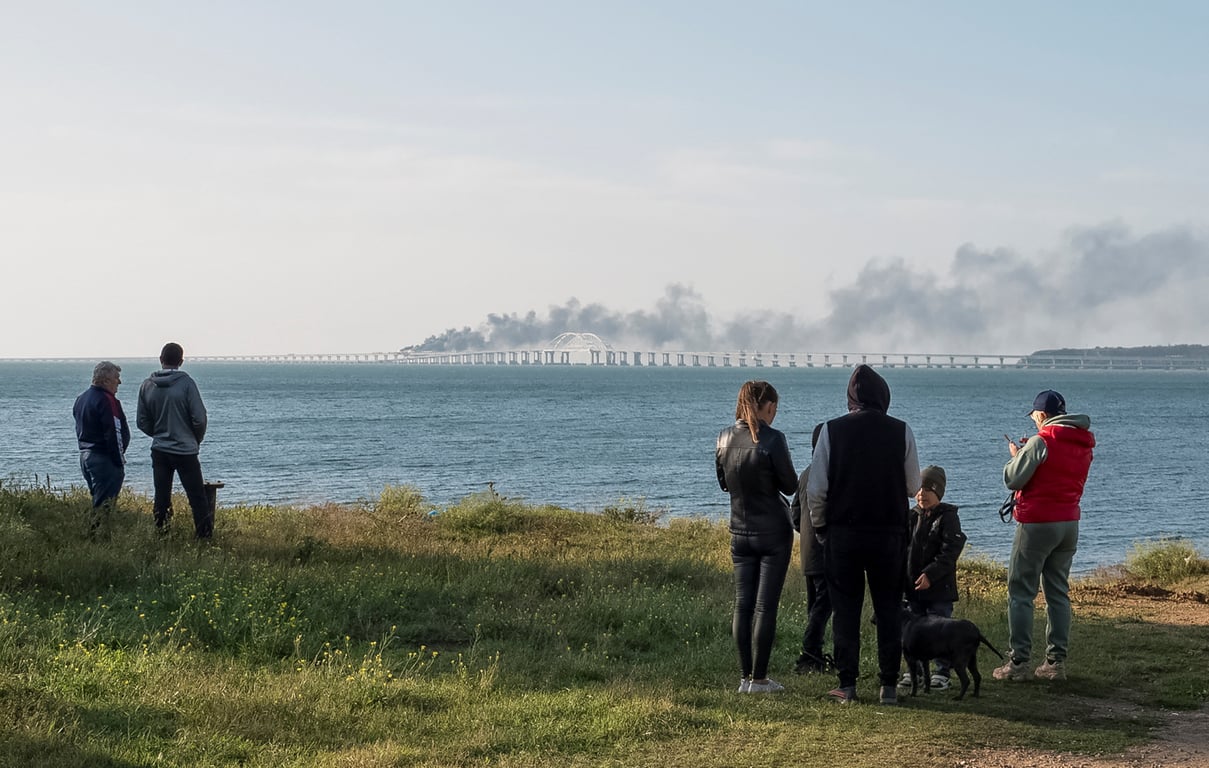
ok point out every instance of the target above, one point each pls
(489, 633)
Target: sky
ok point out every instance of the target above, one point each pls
(301, 177)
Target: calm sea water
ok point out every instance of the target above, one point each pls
(584, 437)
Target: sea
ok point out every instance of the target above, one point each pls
(585, 437)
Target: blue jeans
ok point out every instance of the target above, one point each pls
(104, 478)
(761, 563)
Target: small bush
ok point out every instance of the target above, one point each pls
(632, 511)
(1165, 561)
(402, 501)
(485, 512)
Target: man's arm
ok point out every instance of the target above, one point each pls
(816, 486)
(911, 463)
(142, 414)
(1020, 468)
(799, 501)
(197, 412)
(108, 424)
(125, 430)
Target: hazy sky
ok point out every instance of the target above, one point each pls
(260, 177)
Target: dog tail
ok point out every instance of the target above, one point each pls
(987, 643)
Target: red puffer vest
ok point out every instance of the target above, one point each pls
(1052, 494)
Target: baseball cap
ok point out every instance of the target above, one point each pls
(1050, 402)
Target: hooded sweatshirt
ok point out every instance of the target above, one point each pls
(171, 412)
(865, 465)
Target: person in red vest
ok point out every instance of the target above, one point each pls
(1047, 473)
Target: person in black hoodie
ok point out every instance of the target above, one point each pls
(864, 469)
(753, 465)
(936, 543)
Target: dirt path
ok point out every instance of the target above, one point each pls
(1181, 740)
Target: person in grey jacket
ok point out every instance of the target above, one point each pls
(818, 600)
(171, 412)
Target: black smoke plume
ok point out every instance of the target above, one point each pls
(1098, 285)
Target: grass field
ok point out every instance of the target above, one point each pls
(493, 633)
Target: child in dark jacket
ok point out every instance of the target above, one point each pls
(818, 601)
(936, 543)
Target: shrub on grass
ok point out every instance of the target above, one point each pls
(485, 512)
(402, 501)
(1165, 561)
(978, 574)
(632, 511)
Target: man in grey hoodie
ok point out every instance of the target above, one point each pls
(171, 412)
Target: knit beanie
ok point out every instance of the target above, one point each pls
(933, 478)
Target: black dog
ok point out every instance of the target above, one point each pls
(934, 637)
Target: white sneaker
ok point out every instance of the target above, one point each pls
(1011, 671)
(906, 680)
(745, 686)
(771, 686)
(940, 682)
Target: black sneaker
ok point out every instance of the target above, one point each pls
(809, 662)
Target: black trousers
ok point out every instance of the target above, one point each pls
(852, 557)
(818, 613)
(761, 563)
(188, 467)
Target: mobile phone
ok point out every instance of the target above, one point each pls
(1008, 437)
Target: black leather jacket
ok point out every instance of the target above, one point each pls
(758, 477)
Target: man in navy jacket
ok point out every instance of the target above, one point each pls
(103, 434)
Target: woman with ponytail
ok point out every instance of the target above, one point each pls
(754, 466)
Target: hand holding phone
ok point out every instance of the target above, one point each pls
(1012, 447)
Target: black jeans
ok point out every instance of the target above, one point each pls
(852, 556)
(163, 465)
(761, 563)
(818, 613)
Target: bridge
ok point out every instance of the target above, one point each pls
(578, 348)
(737, 359)
(574, 348)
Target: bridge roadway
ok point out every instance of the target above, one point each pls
(741, 359)
(639, 358)
(676, 359)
